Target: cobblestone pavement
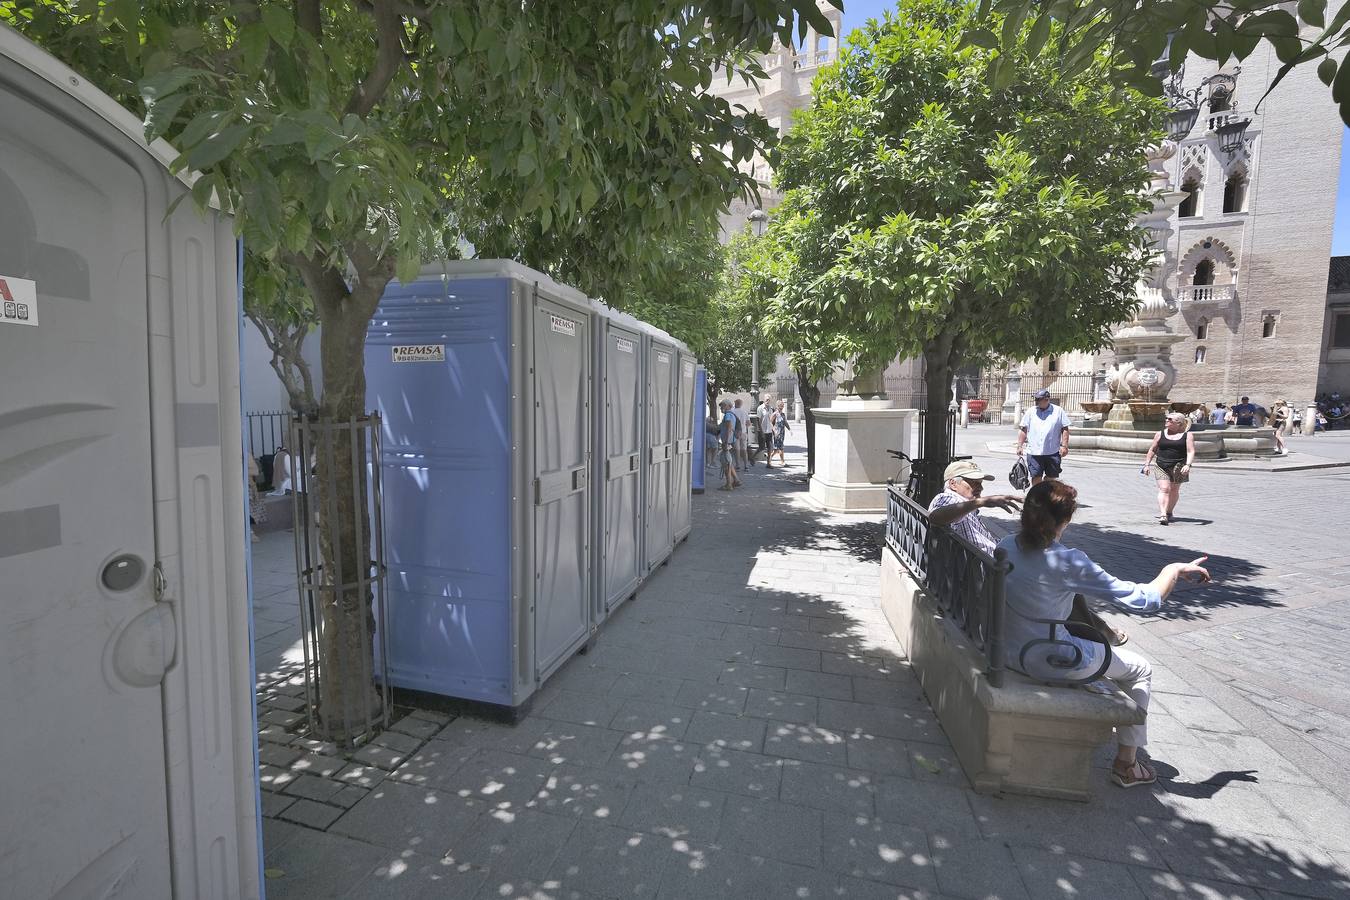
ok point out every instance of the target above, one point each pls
(748, 727)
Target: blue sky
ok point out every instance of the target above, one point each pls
(856, 12)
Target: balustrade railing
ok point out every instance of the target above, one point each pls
(1207, 293)
(966, 583)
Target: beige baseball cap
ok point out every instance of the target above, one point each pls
(966, 468)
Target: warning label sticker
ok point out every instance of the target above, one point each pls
(688, 370)
(420, 353)
(20, 301)
(563, 325)
(623, 345)
(662, 358)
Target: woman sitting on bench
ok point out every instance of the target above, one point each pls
(1041, 586)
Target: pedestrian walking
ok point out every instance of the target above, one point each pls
(1280, 416)
(778, 422)
(1041, 585)
(1244, 413)
(1172, 453)
(1046, 429)
(1219, 415)
(742, 434)
(726, 447)
(764, 415)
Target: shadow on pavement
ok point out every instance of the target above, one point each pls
(1135, 557)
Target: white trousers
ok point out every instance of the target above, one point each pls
(1133, 674)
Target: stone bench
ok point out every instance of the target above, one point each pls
(1024, 737)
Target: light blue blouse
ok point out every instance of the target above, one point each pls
(1041, 585)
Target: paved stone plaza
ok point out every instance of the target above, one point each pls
(748, 727)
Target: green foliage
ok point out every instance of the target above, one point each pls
(929, 211)
(339, 132)
(1137, 34)
(680, 291)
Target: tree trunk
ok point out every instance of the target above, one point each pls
(285, 342)
(936, 451)
(339, 495)
(810, 394)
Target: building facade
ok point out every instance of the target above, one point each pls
(786, 89)
(1251, 239)
(1334, 373)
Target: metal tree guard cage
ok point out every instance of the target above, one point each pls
(341, 570)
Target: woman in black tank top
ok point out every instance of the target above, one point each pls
(1172, 453)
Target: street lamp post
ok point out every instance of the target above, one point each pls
(757, 219)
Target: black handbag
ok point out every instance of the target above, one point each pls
(1020, 475)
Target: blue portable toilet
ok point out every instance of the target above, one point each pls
(481, 371)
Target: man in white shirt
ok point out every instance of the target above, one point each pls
(1046, 429)
(764, 412)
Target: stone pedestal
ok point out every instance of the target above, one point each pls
(851, 460)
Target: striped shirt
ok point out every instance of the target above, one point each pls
(970, 526)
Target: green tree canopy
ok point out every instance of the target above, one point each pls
(1138, 34)
(929, 212)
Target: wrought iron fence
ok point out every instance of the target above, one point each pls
(266, 431)
(342, 607)
(1069, 390)
(966, 583)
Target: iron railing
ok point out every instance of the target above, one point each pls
(266, 431)
(966, 583)
(343, 610)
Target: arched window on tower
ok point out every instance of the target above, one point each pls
(1190, 206)
(1204, 272)
(1199, 355)
(1202, 329)
(1268, 326)
(1235, 192)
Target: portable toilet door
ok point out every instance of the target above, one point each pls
(661, 362)
(618, 488)
(125, 678)
(560, 350)
(699, 460)
(682, 475)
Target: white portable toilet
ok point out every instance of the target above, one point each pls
(481, 371)
(661, 381)
(126, 684)
(682, 486)
(618, 474)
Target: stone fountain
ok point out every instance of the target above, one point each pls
(1142, 375)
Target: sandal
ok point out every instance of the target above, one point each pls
(1130, 777)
